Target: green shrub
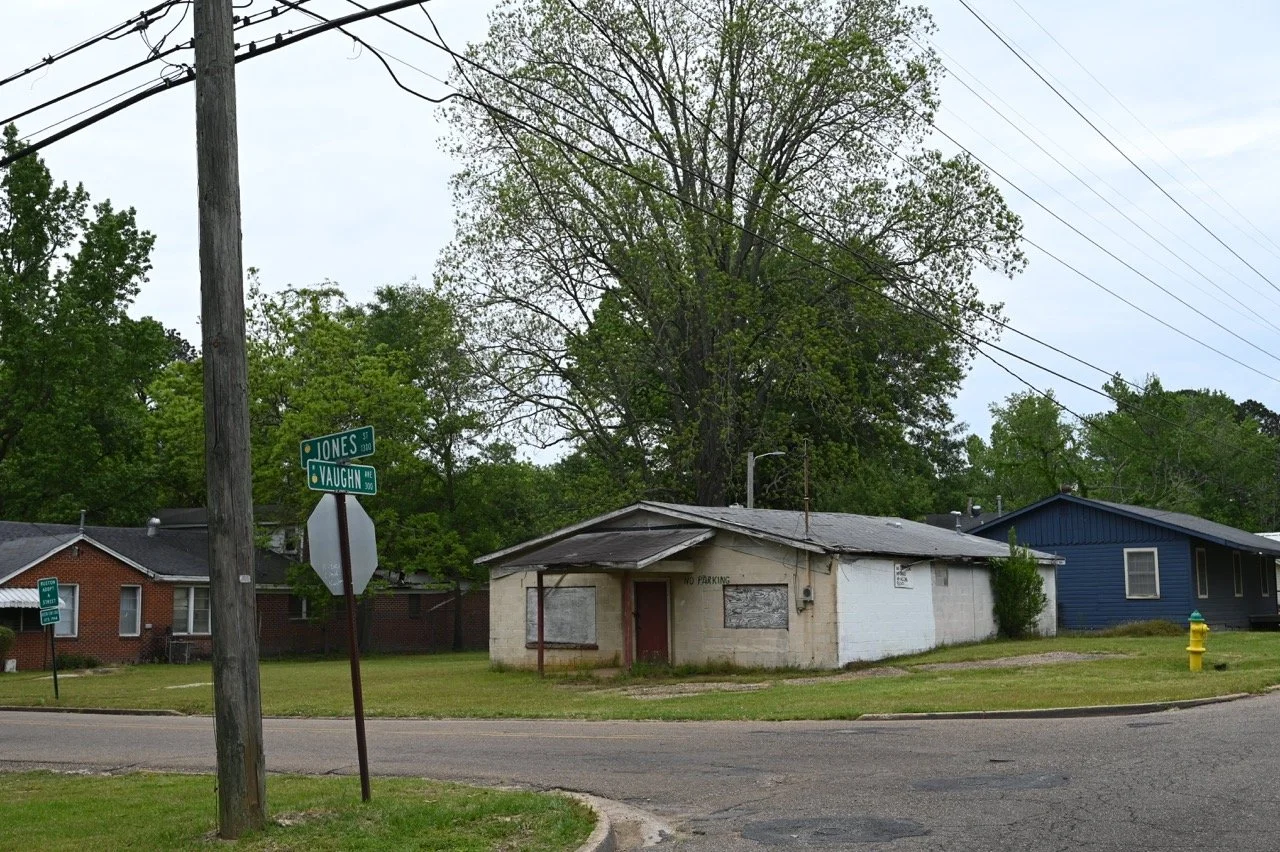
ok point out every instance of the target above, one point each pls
(77, 661)
(1018, 590)
(7, 638)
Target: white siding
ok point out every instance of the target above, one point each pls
(1047, 623)
(877, 618)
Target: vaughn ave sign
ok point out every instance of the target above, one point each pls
(351, 478)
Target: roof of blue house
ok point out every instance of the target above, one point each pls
(1190, 525)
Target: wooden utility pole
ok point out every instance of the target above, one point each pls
(237, 703)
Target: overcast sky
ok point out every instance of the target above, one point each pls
(342, 178)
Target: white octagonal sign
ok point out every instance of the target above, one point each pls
(326, 556)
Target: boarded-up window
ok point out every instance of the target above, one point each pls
(756, 607)
(1141, 573)
(569, 613)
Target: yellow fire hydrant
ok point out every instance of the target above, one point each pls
(1195, 648)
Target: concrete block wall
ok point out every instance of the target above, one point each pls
(698, 623)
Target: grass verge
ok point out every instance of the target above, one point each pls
(1133, 669)
(45, 810)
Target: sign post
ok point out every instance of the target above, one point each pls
(325, 460)
(49, 617)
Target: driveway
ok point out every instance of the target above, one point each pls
(1202, 777)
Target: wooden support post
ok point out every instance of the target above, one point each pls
(542, 635)
(628, 620)
(237, 703)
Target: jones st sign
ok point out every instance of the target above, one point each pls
(352, 444)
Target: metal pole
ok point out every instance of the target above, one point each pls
(237, 700)
(751, 479)
(541, 625)
(344, 546)
(53, 651)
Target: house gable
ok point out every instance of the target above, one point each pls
(73, 542)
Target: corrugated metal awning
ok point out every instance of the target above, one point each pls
(25, 598)
(617, 550)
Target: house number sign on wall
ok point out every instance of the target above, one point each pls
(706, 581)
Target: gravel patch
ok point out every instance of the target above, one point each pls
(1048, 659)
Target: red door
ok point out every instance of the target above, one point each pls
(651, 622)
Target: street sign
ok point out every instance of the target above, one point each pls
(352, 478)
(325, 547)
(48, 587)
(49, 616)
(340, 446)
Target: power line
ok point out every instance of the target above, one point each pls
(1089, 185)
(155, 56)
(1163, 144)
(1117, 148)
(275, 43)
(1088, 278)
(138, 22)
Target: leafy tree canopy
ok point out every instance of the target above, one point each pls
(680, 231)
(74, 367)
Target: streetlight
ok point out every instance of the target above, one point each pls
(751, 474)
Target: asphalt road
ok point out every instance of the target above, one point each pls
(1203, 778)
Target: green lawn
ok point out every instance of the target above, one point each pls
(463, 685)
(44, 810)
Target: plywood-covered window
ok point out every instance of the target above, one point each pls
(762, 607)
(1237, 574)
(569, 615)
(1141, 572)
(1202, 573)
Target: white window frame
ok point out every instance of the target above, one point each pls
(304, 607)
(1237, 574)
(138, 611)
(188, 628)
(74, 620)
(1202, 565)
(1155, 556)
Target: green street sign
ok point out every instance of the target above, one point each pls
(48, 587)
(49, 616)
(351, 478)
(340, 446)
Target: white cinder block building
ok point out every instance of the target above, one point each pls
(752, 587)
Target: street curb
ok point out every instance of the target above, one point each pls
(1059, 712)
(102, 711)
(602, 838)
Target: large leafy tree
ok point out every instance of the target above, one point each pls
(679, 223)
(1188, 451)
(1194, 451)
(74, 367)
(1034, 451)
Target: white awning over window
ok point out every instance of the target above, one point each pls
(26, 598)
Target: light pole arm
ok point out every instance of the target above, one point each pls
(752, 458)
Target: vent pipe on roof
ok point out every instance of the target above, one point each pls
(153, 524)
(83, 512)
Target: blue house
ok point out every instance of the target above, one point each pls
(1130, 563)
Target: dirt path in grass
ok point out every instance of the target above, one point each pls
(679, 690)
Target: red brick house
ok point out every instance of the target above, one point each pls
(141, 594)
